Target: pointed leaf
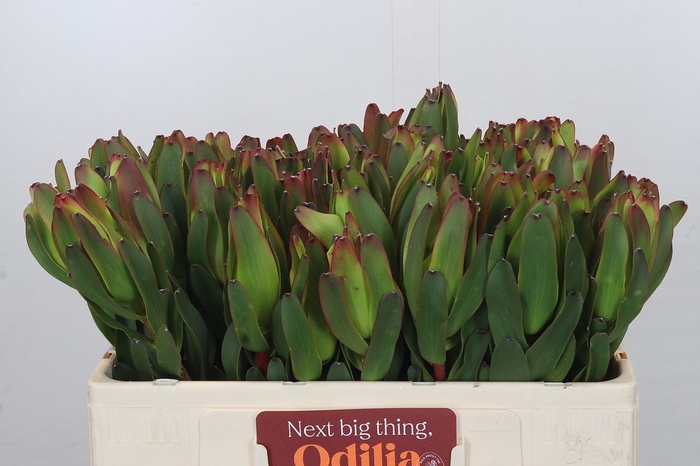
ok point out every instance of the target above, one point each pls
(244, 317)
(201, 342)
(345, 264)
(471, 357)
(451, 244)
(143, 275)
(325, 227)
(414, 251)
(232, 356)
(543, 355)
(504, 308)
(384, 337)
(563, 366)
(139, 356)
(472, 288)
(431, 317)
(612, 267)
(599, 357)
(256, 267)
(635, 296)
(306, 363)
(167, 352)
(87, 282)
(337, 312)
(538, 281)
(508, 362)
(154, 228)
(339, 372)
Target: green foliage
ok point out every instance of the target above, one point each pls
(381, 251)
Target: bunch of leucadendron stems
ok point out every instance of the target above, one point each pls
(384, 252)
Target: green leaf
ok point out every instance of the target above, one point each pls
(396, 163)
(256, 267)
(167, 352)
(306, 363)
(232, 355)
(379, 182)
(124, 373)
(538, 282)
(202, 197)
(664, 250)
(265, 180)
(567, 130)
(62, 180)
(410, 338)
(408, 183)
(431, 317)
(471, 357)
(472, 288)
(678, 210)
(139, 357)
(543, 355)
(414, 255)
(154, 228)
(98, 154)
(345, 264)
(211, 296)
(143, 275)
(128, 180)
(449, 117)
(326, 342)
(170, 167)
(199, 340)
(254, 375)
(337, 312)
(105, 320)
(325, 227)
(351, 178)
(275, 370)
(508, 362)
(371, 218)
(561, 165)
(122, 346)
(430, 116)
(376, 268)
(504, 308)
(635, 295)
(451, 244)
(339, 372)
(41, 254)
(88, 283)
(173, 202)
(197, 241)
(109, 263)
(612, 267)
(244, 317)
(299, 280)
(599, 357)
(384, 337)
(498, 246)
(575, 271)
(563, 366)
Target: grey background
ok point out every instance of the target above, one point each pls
(73, 71)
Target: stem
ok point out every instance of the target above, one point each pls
(439, 372)
(263, 359)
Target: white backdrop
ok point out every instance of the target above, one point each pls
(73, 71)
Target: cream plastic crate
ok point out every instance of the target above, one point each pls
(505, 424)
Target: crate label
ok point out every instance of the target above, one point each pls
(358, 437)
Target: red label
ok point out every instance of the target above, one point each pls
(358, 437)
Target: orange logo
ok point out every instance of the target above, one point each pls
(380, 454)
